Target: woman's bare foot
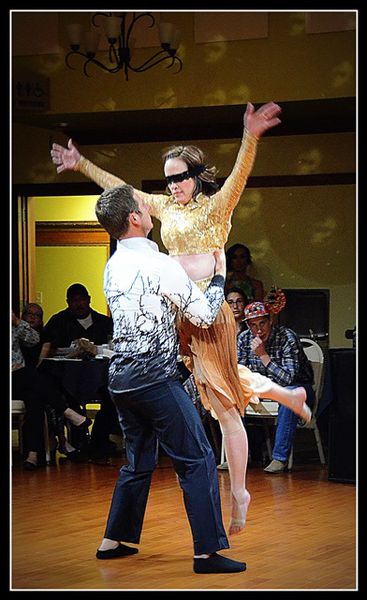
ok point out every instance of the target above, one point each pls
(300, 407)
(239, 514)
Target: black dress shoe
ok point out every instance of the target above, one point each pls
(121, 550)
(218, 564)
(29, 466)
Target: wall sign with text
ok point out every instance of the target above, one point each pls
(31, 92)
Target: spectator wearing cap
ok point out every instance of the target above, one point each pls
(276, 352)
(77, 321)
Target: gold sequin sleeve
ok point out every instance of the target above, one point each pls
(106, 181)
(228, 196)
(102, 178)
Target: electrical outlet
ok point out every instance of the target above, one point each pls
(39, 297)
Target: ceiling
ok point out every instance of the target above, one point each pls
(331, 115)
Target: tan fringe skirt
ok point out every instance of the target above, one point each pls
(212, 356)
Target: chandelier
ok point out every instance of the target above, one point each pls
(119, 33)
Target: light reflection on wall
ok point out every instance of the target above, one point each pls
(166, 98)
(214, 52)
(50, 64)
(107, 104)
(305, 227)
(309, 162)
(223, 149)
(250, 207)
(103, 157)
(260, 250)
(43, 172)
(296, 23)
(239, 95)
(324, 232)
(296, 235)
(215, 97)
(341, 74)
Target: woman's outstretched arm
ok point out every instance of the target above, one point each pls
(70, 159)
(256, 123)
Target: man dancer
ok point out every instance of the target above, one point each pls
(145, 289)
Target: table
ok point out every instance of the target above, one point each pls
(81, 379)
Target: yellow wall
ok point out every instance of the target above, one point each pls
(58, 267)
(289, 64)
(302, 237)
(65, 208)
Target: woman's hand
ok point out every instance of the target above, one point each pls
(65, 159)
(259, 121)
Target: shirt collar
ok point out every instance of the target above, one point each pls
(138, 243)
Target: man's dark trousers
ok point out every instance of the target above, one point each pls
(164, 412)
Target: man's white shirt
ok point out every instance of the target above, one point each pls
(145, 289)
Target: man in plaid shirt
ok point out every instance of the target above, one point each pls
(277, 353)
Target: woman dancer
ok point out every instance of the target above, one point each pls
(196, 220)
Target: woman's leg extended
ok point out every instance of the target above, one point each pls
(236, 449)
(263, 387)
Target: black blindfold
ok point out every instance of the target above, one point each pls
(185, 174)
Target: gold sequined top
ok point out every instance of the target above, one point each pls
(203, 224)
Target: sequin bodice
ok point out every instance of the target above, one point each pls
(202, 225)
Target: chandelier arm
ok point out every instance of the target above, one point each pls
(99, 64)
(99, 14)
(148, 64)
(135, 20)
(71, 53)
(155, 60)
(112, 54)
(177, 58)
(89, 60)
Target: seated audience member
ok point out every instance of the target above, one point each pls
(77, 321)
(237, 300)
(55, 408)
(31, 387)
(33, 314)
(238, 258)
(276, 351)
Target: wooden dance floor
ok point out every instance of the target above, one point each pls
(300, 533)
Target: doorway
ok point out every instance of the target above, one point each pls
(57, 241)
